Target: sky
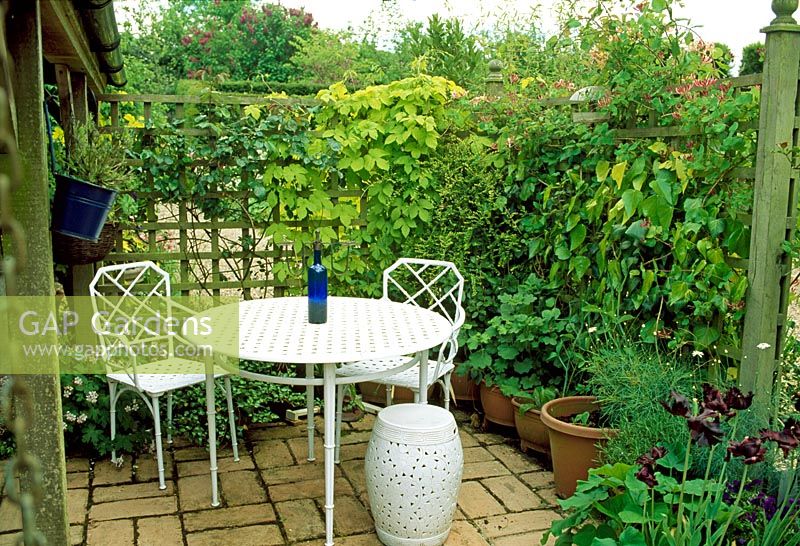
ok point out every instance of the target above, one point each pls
(736, 23)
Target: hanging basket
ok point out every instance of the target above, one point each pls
(80, 209)
(73, 251)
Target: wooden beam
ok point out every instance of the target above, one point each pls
(80, 97)
(65, 42)
(65, 104)
(29, 205)
(773, 201)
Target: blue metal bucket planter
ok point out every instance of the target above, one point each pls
(80, 209)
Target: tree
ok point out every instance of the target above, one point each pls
(752, 59)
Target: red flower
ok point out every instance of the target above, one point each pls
(705, 428)
(738, 401)
(750, 449)
(678, 405)
(646, 475)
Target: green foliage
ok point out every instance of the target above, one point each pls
(292, 88)
(630, 383)
(325, 58)
(752, 59)
(443, 48)
(255, 402)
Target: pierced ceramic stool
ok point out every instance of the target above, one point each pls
(413, 469)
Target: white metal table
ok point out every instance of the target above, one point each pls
(277, 330)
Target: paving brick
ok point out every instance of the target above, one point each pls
(486, 469)
(77, 480)
(289, 474)
(513, 458)
(301, 519)
(517, 523)
(538, 479)
(229, 517)
(527, 539)
(242, 488)
(254, 535)
(159, 531)
(354, 470)
(77, 465)
(462, 533)
(110, 533)
(269, 454)
(133, 508)
(280, 431)
(353, 451)
(476, 502)
(130, 491)
(10, 517)
(106, 473)
(459, 515)
(477, 455)
(548, 496)
(77, 499)
(370, 539)
(355, 437)
(147, 467)
(351, 516)
(467, 439)
(299, 448)
(307, 489)
(365, 423)
(227, 464)
(75, 535)
(487, 438)
(193, 453)
(515, 495)
(194, 492)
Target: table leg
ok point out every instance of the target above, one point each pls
(310, 414)
(329, 382)
(423, 376)
(211, 414)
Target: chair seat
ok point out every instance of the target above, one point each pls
(182, 374)
(408, 378)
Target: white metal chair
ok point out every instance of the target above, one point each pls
(130, 294)
(436, 285)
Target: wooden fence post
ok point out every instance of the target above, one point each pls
(494, 79)
(774, 208)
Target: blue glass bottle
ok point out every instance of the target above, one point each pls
(317, 288)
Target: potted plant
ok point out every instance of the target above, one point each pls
(87, 200)
(527, 418)
(575, 431)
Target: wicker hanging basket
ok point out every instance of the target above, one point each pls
(73, 251)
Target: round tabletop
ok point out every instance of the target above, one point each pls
(277, 330)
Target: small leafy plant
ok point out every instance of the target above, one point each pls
(656, 503)
(536, 398)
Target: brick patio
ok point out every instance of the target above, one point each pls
(274, 496)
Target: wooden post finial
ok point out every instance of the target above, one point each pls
(784, 9)
(494, 80)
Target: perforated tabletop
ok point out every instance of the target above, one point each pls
(277, 330)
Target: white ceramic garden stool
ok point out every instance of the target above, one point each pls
(413, 468)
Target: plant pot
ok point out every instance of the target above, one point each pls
(72, 251)
(375, 393)
(464, 388)
(497, 406)
(573, 448)
(532, 432)
(80, 209)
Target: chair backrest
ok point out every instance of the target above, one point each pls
(433, 284)
(130, 294)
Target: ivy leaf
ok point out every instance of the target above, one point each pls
(580, 264)
(577, 236)
(705, 336)
(562, 252)
(602, 170)
(618, 173)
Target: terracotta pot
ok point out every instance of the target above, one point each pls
(573, 447)
(497, 406)
(375, 393)
(464, 387)
(532, 432)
